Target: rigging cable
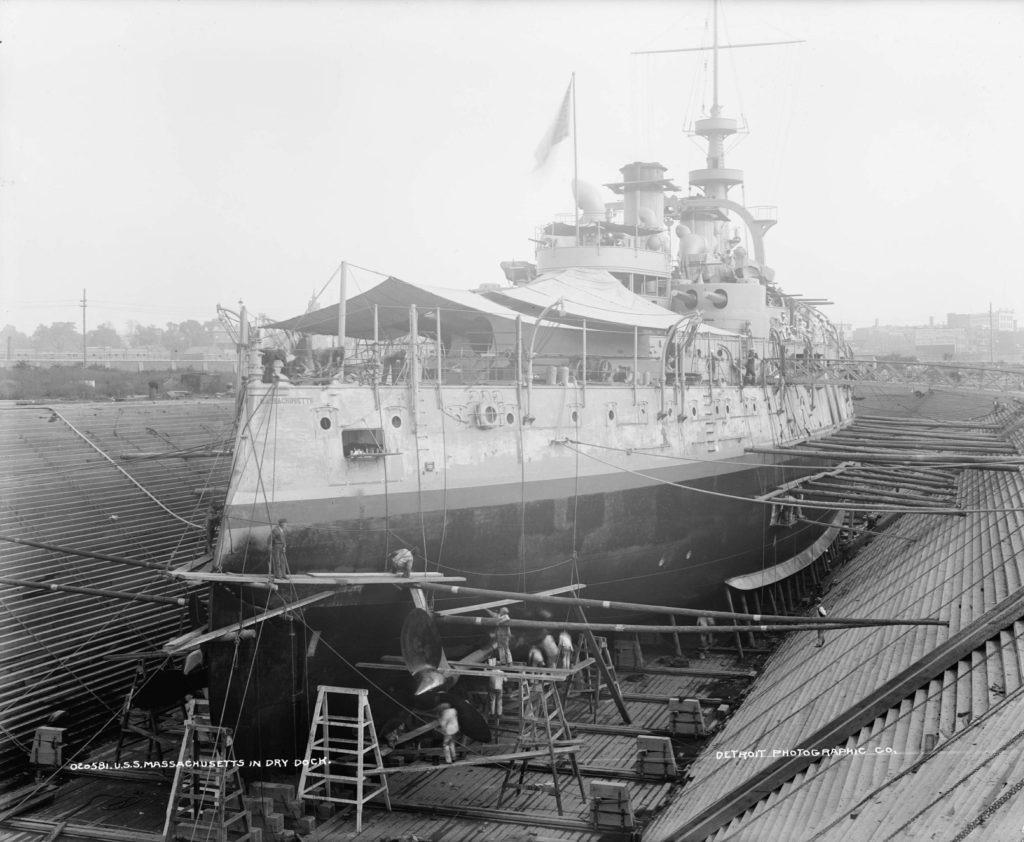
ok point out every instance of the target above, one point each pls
(131, 479)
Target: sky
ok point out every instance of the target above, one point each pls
(169, 156)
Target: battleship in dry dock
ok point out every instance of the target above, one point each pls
(590, 421)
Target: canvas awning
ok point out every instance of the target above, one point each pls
(391, 299)
(592, 295)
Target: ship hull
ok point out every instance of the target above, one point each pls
(667, 536)
(670, 537)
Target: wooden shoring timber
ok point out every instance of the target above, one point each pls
(906, 479)
(917, 422)
(832, 505)
(839, 470)
(853, 432)
(869, 496)
(918, 445)
(938, 473)
(191, 640)
(111, 594)
(853, 493)
(992, 434)
(640, 627)
(318, 579)
(998, 463)
(485, 606)
(931, 492)
(850, 720)
(884, 486)
(919, 474)
(133, 562)
(866, 492)
(650, 609)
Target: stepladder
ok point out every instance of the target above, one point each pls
(590, 680)
(544, 727)
(343, 762)
(206, 794)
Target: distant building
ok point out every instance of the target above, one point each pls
(1002, 321)
(940, 343)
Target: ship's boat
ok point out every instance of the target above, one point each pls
(590, 421)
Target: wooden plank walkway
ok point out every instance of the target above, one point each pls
(452, 802)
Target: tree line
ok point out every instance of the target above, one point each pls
(66, 338)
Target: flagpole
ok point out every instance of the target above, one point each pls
(575, 162)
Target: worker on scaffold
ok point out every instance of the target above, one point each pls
(503, 637)
(278, 545)
(565, 650)
(550, 649)
(495, 688)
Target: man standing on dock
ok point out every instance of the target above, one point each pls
(822, 614)
(278, 545)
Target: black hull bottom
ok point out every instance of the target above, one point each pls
(660, 544)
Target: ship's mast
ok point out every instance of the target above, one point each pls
(714, 64)
(715, 179)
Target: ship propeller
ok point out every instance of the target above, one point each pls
(424, 658)
(423, 653)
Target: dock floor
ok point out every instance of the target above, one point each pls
(453, 803)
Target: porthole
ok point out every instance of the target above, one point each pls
(510, 418)
(728, 409)
(325, 423)
(396, 421)
(693, 411)
(575, 417)
(717, 410)
(611, 414)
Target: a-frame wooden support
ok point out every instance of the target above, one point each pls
(336, 754)
(604, 665)
(206, 794)
(542, 726)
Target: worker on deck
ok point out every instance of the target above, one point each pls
(706, 638)
(278, 545)
(750, 368)
(448, 722)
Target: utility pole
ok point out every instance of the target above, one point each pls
(85, 352)
(991, 336)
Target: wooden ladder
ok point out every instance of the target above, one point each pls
(587, 682)
(603, 671)
(710, 424)
(206, 795)
(338, 745)
(537, 732)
